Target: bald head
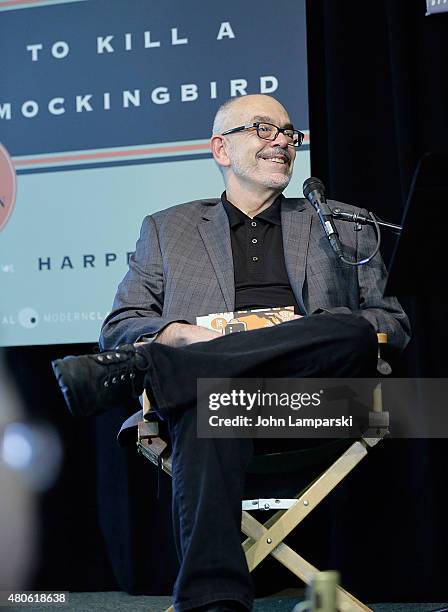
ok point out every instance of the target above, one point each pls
(250, 163)
(244, 109)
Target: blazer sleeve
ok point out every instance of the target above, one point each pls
(137, 311)
(384, 313)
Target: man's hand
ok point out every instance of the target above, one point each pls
(182, 334)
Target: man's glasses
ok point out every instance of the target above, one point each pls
(269, 131)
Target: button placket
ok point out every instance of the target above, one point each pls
(254, 246)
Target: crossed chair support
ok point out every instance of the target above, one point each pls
(265, 539)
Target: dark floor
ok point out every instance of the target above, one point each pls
(118, 602)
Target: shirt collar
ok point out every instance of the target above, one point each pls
(236, 216)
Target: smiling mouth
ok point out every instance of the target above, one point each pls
(281, 161)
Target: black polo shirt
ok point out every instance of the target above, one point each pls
(259, 266)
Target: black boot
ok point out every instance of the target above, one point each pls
(92, 384)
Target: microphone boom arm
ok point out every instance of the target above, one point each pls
(344, 215)
(314, 192)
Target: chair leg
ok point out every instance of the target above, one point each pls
(298, 565)
(268, 538)
(277, 530)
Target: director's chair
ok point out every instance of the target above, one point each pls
(265, 539)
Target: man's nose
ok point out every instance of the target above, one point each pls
(281, 140)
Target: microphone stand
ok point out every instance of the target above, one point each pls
(344, 215)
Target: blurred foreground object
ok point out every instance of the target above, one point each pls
(321, 594)
(30, 456)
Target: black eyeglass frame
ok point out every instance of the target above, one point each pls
(256, 125)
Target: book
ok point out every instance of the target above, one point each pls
(245, 320)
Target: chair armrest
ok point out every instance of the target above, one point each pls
(146, 404)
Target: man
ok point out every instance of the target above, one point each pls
(251, 248)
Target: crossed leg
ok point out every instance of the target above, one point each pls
(209, 474)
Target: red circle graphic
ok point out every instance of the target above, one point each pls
(8, 186)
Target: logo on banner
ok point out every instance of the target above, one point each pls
(7, 186)
(436, 6)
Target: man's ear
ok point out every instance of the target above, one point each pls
(218, 147)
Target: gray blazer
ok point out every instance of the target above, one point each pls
(183, 267)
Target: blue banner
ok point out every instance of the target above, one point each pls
(106, 108)
(105, 74)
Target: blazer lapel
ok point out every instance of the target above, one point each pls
(296, 226)
(215, 232)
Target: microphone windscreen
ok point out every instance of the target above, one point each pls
(313, 184)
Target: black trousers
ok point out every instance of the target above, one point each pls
(209, 474)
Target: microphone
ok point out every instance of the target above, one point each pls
(314, 192)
